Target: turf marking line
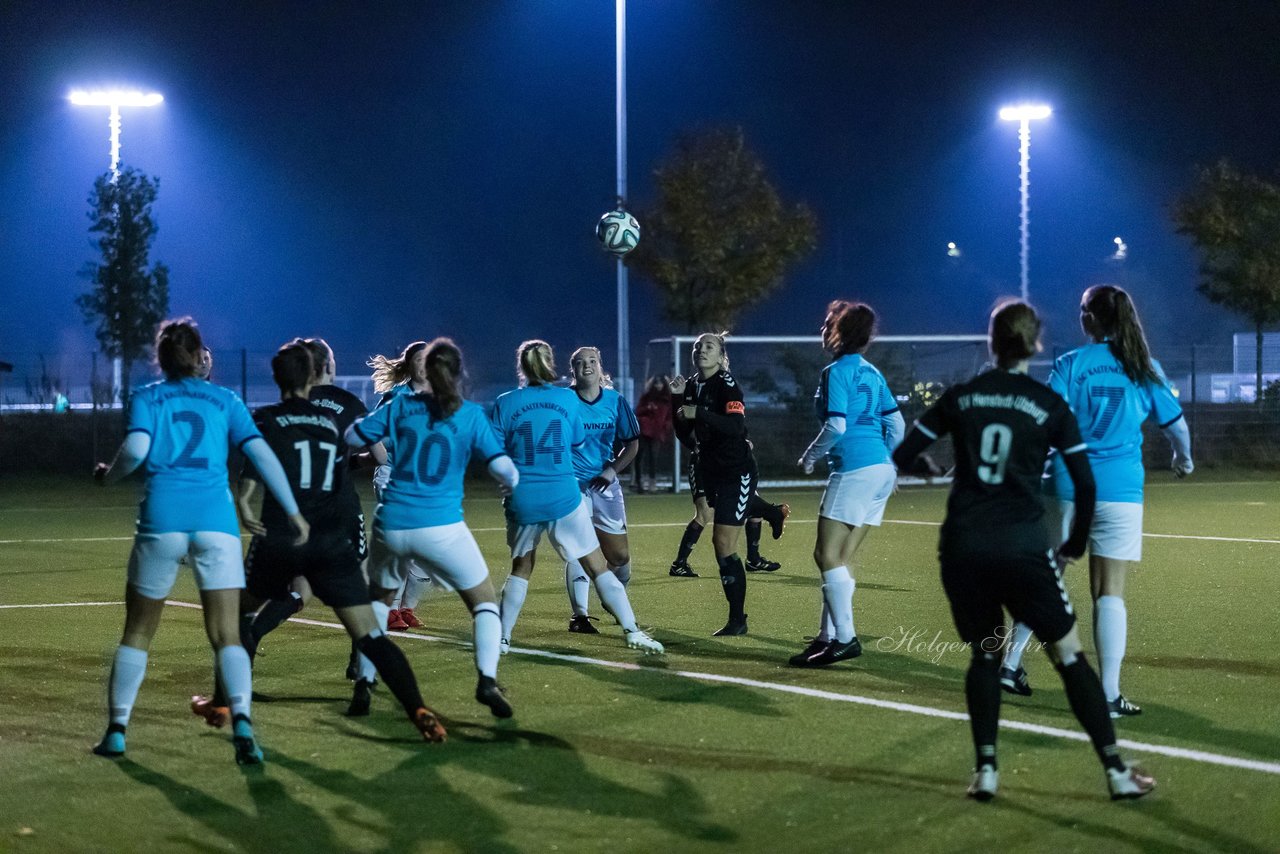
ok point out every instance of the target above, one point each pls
(910, 708)
(61, 605)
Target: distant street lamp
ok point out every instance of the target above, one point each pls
(1122, 250)
(1024, 115)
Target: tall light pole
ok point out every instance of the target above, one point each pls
(620, 112)
(1024, 115)
(115, 99)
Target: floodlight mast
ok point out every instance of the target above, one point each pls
(114, 99)
(1024, 115)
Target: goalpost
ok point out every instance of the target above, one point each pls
(779, 374)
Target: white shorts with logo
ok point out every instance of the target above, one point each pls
(858, 497)
(216, 557)
(608, 509)
(1116, 531)
(572, 536)
(447, 553)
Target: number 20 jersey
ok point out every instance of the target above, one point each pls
(191, 423)
(541, 427)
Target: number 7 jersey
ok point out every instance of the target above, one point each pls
(541, 426)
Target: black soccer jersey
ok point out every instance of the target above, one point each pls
(720, 430)
(1002, 426)
(306, 440)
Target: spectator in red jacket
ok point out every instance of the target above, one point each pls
(654, 414)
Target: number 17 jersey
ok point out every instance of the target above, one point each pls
(541, 426)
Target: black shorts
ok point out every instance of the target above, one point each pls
(979, 584)
(730, 494)
(697, 486)
(328, 561)
(353, 514)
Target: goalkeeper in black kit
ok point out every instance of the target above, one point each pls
(994, 546)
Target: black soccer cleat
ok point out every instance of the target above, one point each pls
(1015, 681)
(837, 652)
(681, 569)
(581, 624)
(361, 699)
(762, 564)
(489, 694)
(1122, 708)
(809, 654)
(732, 628)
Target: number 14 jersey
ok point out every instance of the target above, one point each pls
(541, 425)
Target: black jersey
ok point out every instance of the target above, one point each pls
(1002, 426)
(720, 431)
(306, 440)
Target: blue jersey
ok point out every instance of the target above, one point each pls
(853, 389)
(541, 427)
(607, 420)
(191, 424)
(388, 444)
(1110, 409)
(431, 458)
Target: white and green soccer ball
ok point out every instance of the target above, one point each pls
(618, 232)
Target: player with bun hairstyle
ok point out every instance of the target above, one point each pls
(711, 415)
(861, 425)
(994, 547)
(609, 421)
(542, 428)
(419, 516)
(179, 430)
(1112, 385)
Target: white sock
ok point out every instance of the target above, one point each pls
(837, 590)
(826, 628)
(1019, 637)
(127, 670)
(513, 594)
(237, 678)
(623, 572)
(613, 596)
(486, 629)
(577, 585)
(365, 669)
(395, 603)
(1110, 634)
(416, 583)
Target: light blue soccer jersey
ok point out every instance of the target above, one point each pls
(389, 443)
(541, 428)
(431, 459)
(191, 423)
(1110, 409)
(607, 420)
(853, 389)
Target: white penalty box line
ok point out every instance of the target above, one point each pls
(812, 693)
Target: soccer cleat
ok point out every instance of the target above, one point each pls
(112, 744)
(247, 750)
(732, 628)
(504, 646)
(214, 716)
(763, 564)
(681, 569)
(1129, 784)
(581, 624)
(778, 519)
(640, 640)
(806, 656)
(429, 725)
(983, 786)
(409, 619)
(1122, 708)
(837, 652)
(394, 622)
(361, 699)
(489, 694)
(353, 665)
(1015, 681)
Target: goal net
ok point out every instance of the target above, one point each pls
(779, 374)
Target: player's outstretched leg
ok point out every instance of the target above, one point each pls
(614, 598)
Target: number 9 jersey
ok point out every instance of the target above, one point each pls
(191, 423)
(541, 426)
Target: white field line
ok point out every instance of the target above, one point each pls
(813, 693)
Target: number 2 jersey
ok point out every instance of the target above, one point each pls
(542, 428)
(191, 423)
(305, 438)
(853, 389)
(1110, 409)
(1002, 426)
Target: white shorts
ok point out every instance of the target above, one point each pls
(858, 497)
(608, 510)
(447, 553)
(572, 537)
(216, 556)
(1116, 532)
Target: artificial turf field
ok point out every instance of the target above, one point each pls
(711, 749)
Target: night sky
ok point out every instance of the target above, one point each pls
(382, 172)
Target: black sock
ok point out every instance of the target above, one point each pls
(753, 540)
(275, 612)
(394, 669)
(734, 578)
(1084, 693)
(982, 693)
(690, 539)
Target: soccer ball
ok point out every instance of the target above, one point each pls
(618, 232)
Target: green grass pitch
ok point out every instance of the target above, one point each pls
(718, 747)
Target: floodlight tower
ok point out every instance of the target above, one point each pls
(1024, 115)
(623, 368)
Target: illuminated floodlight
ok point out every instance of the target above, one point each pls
(1025, 113)
(114, 98)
